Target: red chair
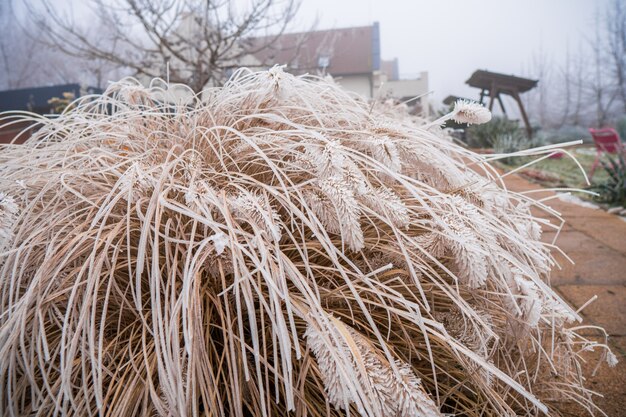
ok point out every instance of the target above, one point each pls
(607, 141)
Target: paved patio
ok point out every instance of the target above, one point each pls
(596, 242)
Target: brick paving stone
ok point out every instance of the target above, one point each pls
(572, 240)
(608, 310)
(611, 231)
(619, 345)
(591, 266)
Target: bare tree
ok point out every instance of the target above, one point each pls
(601, 83)
(538, 100)
(577, 78)
(190, 41)
(20, 57)
(571, 88)
(616, 42)
(25, 63)
(590, 86)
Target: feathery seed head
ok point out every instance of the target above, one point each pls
(470, 112)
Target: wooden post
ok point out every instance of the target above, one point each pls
(493, 92)
(501, 104)
(517, 98)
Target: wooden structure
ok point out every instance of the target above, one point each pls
(495, 84)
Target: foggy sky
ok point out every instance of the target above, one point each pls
(452, 38)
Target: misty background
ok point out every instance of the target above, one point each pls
(565, 44)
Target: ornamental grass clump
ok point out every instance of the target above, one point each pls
(277, 247)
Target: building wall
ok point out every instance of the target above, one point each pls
(360, 84)
(406, 89)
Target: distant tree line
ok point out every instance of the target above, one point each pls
(589, 87)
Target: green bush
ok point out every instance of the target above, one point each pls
(613, 190)
(508, 143)
(498, 129)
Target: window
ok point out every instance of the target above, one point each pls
(323, 61)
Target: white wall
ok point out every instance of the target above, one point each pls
(405, 89)
(359, 84)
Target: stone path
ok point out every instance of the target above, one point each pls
(596, 242)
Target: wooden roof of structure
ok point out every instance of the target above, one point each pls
(505, 83)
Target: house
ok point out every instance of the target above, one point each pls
(34, 100)
(352, 56)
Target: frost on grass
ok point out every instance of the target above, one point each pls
(8, 214)
(277, 246)
(470, 112)
(376, 386)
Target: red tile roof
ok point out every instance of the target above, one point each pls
(350, 51)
